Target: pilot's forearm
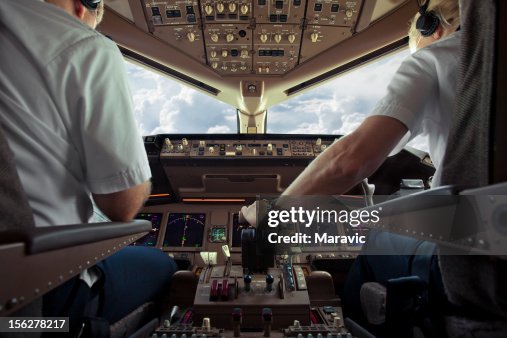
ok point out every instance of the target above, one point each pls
(351, 159)
(332, 173)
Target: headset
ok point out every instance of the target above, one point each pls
(428, 22)
(91, 4)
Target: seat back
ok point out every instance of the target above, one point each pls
(15, 213)
(475, 284)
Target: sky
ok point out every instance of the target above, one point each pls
(163, 105)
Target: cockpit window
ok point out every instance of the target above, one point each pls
(163, 105)
(340, 105)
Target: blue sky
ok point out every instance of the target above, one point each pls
(163, 105)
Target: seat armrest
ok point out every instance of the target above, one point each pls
(44, 239)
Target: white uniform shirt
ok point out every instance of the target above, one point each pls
(67, 112)
(421, 95)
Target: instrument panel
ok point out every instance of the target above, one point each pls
(214, 148)
(186, 230)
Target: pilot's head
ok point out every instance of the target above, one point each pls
(447, 14)
(89, 12)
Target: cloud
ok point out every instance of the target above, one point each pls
(163, 105)
(218, 130)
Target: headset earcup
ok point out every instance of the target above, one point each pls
(91, 4)
(427, 23)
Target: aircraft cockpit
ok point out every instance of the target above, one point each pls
(251, 57)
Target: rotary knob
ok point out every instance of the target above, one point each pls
(278, 38)
(168, 144)
(220, 7)
(291, 38)
(232, 7)
(244, 9)
(314, 37)
(208, 9)
(349, 13)
(211, 150)
(270, 147)
(184, 141)
(202, 143)
(214, 65)
(224, 53)
(213, 53)
(244, 53)
(264, 38)
(214, 37)
(229, 37)
(191, 37)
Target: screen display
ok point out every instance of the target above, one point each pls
(218, 235)
(151, 238)
(185, 230)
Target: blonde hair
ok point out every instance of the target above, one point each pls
(99, 12)
(446, 10)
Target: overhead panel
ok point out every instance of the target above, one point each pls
(328, 23)
(229, 47)
(260, 37)
(179, 24)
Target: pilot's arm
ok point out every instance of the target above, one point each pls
(123, 205)
(351, 159)
(112, 156)
(346, 163)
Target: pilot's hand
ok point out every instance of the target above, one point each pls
(249, 214)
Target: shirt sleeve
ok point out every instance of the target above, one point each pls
(101, 122)
(409, 94)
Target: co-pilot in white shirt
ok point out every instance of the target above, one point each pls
(66, 110)
(421, 95)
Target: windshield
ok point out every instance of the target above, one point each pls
(163, 105)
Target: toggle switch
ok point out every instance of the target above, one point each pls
(237, 317)
(269, 283)
(206, 324)
(247, 279)
(267, 319)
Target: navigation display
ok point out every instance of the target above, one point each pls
(151, 238)
(185, 230)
